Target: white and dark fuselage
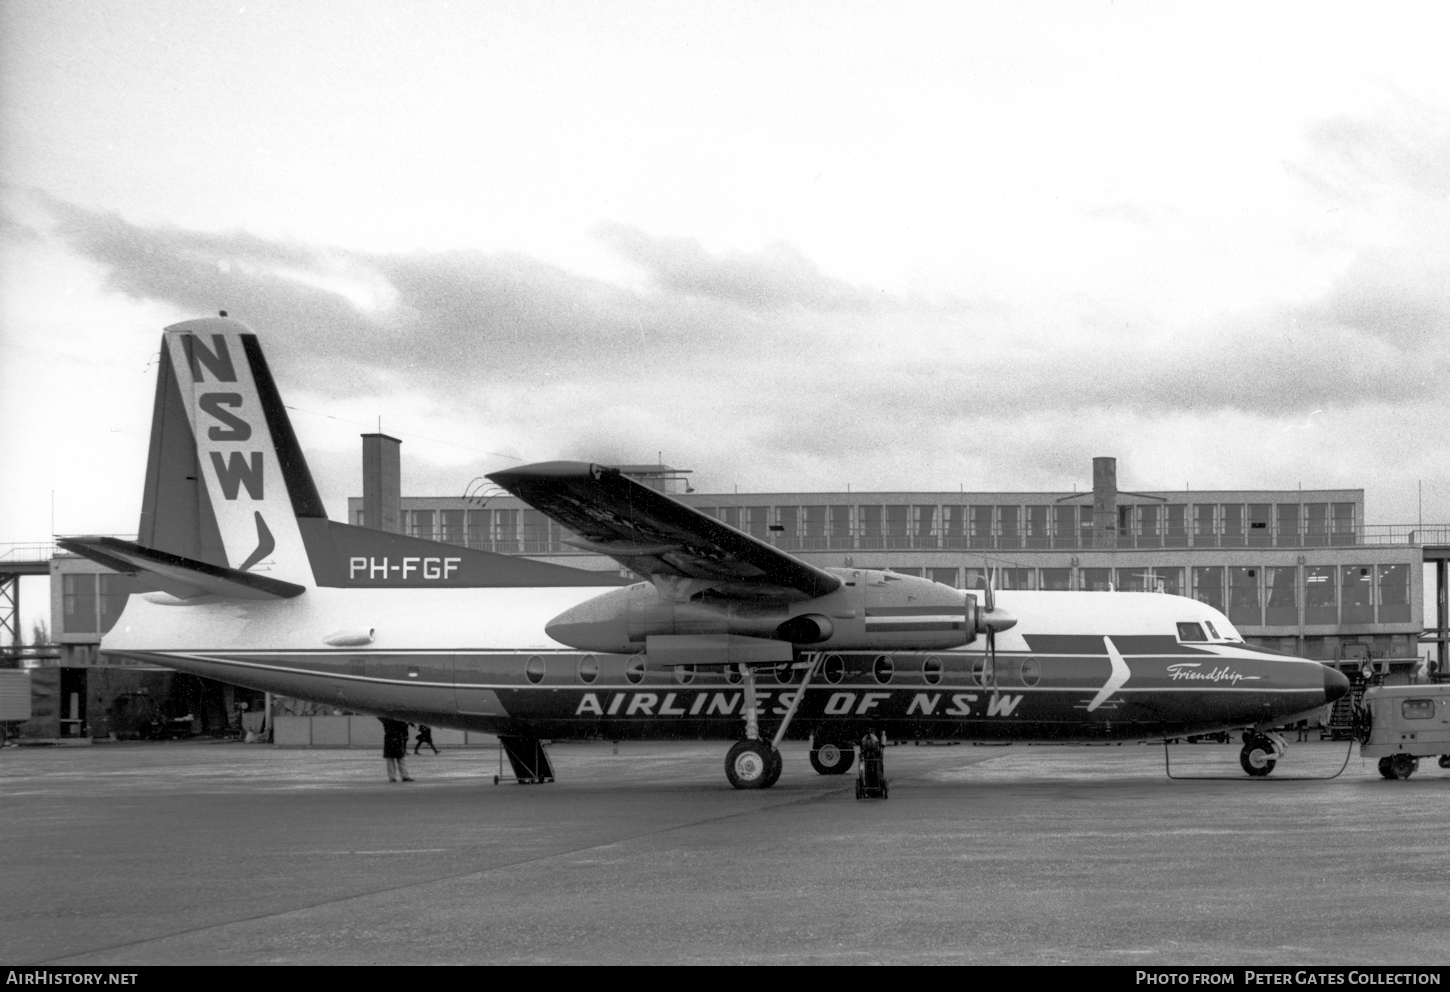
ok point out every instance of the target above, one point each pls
(1077, 667)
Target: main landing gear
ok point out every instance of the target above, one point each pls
(754, 763)
(1260, 754)
(829, 758)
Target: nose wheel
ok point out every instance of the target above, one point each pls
(753, 765)
(1259, 755)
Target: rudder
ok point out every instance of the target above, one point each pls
(225, 477)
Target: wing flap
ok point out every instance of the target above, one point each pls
(653, 535)
(181, 577)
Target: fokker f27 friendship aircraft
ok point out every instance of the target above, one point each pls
(729, 639)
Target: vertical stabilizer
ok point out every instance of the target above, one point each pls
(225, 478)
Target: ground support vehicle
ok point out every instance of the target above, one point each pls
(1400, 724)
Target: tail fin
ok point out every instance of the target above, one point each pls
(225, 478)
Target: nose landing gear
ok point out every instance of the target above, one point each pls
(1260, 754)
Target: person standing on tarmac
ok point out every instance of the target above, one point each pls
(395, 749)
(425, 736)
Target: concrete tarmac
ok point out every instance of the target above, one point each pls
(247, 854)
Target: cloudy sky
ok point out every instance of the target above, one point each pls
(790, 246)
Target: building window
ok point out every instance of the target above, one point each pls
(896, 522)
(1355, 599)
(1287, 535)
(1232, 531)
(787, 518)
(1394, 594)
(1085, 526)
(1056, 579)
(1316, 525)
(1096, 579)
(1169, 581)
(974, 578)
(871, 536)
(506, 531)
(1037, 527)
(1134, 579)
(955, 533)
(905, 570)
(478, 523)
(924, 527)
(841, 536)
(981, 536)
(1148, 534)
(1244, 606)
(1175, 525)
(757, 521)
(1208, 585)
(1342, 524)
(1126, 532)
(1259, 534)
(1009, 527)
(78, 599)
(813, 536)
(1205, 525)
(1017, 578)
(115, 590)
(537, 539)
(1321, 603)
(1064, 526)
(946, 576)
(1281, 586)
(730, 516)
(420, 524)
(452, 521)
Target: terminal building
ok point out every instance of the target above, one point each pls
(1299, 571)
(1295, 570)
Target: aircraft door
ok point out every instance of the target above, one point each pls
(473, 678)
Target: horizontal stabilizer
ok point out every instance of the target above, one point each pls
(181, 577)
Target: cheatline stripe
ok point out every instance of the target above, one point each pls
(678, 687)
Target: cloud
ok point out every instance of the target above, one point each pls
(766, 328)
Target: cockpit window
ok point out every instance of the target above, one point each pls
(1190, 632)
(1211, 632)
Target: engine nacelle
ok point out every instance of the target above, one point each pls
(808, 628)
(872, 610)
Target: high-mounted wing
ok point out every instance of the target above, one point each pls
(656, 536)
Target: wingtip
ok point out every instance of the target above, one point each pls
(547, 470)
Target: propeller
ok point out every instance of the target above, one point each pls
(992, 620)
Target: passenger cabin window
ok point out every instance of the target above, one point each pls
(1418, 709)
(1190, 632)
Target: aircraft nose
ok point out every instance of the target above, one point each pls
(1335, 684)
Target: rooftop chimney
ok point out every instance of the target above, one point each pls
(382, 483)
(1105, 502)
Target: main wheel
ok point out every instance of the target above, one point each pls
(1257, 758)
(1385, 769)
(1445, 761)
(748, 765)
(833, 759)
(777, 764)
(1403, 765)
